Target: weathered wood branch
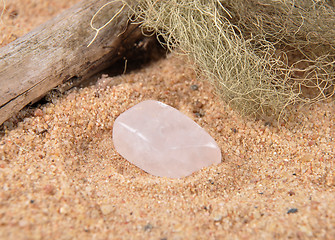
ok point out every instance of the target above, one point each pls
(57, 52)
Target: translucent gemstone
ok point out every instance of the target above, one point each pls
(162, 141)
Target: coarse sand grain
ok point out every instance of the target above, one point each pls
(61, 178)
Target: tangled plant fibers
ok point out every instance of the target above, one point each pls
(262, 56)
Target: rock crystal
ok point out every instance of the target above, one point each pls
(163, 141)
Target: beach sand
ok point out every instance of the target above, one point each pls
(61, 178)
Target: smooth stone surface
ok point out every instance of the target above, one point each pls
(162, 141)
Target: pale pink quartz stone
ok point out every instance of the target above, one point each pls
(162, 141)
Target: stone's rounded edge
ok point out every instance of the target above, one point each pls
(220, 154)
(164, 105)
(145, 102)
(115, 136)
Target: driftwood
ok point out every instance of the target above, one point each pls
(57, 53)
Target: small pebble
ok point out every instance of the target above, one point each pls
(218, 218)
(38, 113)
(199, 114)
(107, 209)
(291, 193)
(198, 104)
(194, 87)
(49, 189)
(148, 227)
(292, 210)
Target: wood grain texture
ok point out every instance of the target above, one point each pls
(57, 52)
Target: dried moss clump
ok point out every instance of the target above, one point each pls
(261, 55)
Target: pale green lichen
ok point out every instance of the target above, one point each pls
(261, 55)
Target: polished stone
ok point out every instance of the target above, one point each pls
(163, 141)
